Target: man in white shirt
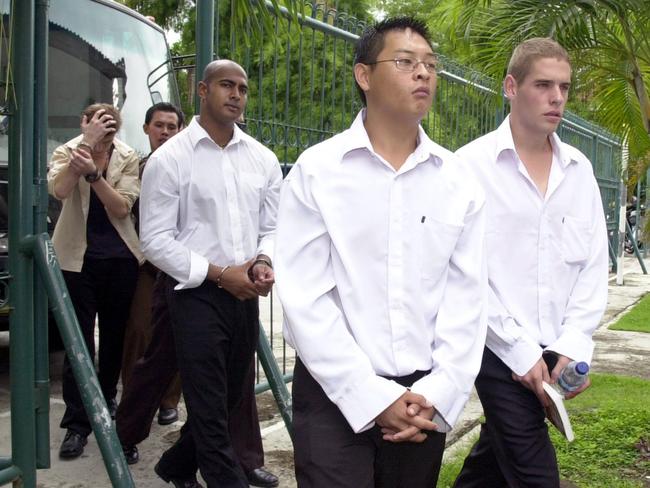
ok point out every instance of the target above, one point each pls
(547, 268)
(207, 218)
(382, 279)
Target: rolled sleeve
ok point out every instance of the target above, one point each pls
(59, 161)
(128, 185)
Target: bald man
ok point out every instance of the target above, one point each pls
(208, 208)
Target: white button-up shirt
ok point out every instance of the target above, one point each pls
(381, 273)
(202, 204)
(547, 255)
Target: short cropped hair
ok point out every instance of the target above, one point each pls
(90, 110)
(164, 107)
(526, 53)
(371, 41)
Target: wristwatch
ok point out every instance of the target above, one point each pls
(93, 177)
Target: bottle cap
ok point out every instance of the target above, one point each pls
(582, 368)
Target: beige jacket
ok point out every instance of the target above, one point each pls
(70, 232)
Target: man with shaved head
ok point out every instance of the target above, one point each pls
(207, 219)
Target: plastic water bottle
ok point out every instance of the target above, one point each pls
(573, 376)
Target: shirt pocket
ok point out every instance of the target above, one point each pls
(576, 236)
(437, 243)
(251, 186)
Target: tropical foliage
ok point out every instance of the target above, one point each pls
(609, 41)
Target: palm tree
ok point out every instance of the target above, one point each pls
(608, 41)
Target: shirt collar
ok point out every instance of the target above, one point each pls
(356, 137)
(198, 133)
(505, 142)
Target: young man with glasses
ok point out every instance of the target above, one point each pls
(382, 279)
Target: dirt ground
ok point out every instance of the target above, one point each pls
(616, 352)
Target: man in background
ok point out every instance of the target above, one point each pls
(146, 387)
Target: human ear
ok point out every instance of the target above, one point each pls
(361, 75)
(509, 87)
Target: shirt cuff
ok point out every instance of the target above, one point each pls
(198, 272)
(520, 356)
(447, 400)
(574, 344)
(363, 402)
(266, 247)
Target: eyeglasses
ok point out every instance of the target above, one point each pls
(410, 64)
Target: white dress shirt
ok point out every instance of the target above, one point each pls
(547, 254)
(202, 204)
(381, 273)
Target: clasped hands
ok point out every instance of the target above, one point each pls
(246, 281)
(406, 418)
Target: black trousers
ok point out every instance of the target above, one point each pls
(150, 376)
(149, 382)
(514, 449)
(103, 289)
(215, 336)
(329, 454)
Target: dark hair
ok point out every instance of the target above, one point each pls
(164, 107)
(90, 110)
(371, 41)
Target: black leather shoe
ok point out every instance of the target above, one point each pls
(262, 478)
(112, 407)
(73, 445)
(131, 454)
(190, 482)
(167, 416)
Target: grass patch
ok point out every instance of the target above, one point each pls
(451, 467)
(608, 420)
(637, 319)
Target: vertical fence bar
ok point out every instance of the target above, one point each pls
(21, 318)
(204, 41)
(41, 349)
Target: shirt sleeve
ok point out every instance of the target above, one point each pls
(314, 324)
(269, 212)
(159, 210)
(588, 298)
(508, 340)
(129, 183)
(59, 161)
(460, 325)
